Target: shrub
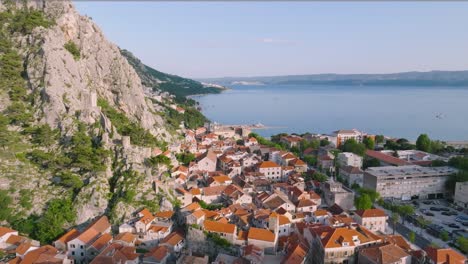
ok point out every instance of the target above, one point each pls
(220, 241)
(73, 49)
(25, 20)
(185, 158)
(25, 199)
(5, 200)
(138, 135)
(69, 180)
(50, 225)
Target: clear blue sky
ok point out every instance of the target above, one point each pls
(215, 39)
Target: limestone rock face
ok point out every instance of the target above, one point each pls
(70, 87)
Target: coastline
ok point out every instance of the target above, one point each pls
(202, 94)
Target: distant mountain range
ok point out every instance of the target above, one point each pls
(431, 78)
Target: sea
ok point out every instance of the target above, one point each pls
(396, 111)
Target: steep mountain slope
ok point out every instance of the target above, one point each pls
(179, 86)
(77, 132)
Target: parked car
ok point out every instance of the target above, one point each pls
(444, 209)
(436, 209)
(446, 213)
(427, 202)
(429, 214)
(423, 211)
(465, 223)
(454, 226)
(461, 219)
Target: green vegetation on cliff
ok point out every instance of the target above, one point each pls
(138, 135)
(176, 85)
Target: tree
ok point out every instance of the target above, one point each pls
(395, 218)
(86, 153)
(369, 143)
(463, 243)
(70, 180)
(5, 135)
(42, 135)
(373, 195)
(460, 163)
(185, 158)
(50, 225)
(437, 146)
(423, 143)
(319, 177)
(305, 144)
(405, 211)
(461, 176)
(379, 139)
(311, 160)
(444, 235)
(370, 162)
(363, 202)
(158, 160)
(412, 237)
(324, 142)
(438, 163)
(351, 145)
(18, 114)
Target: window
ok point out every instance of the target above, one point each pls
(73, 253)
(81, 246)
(82, 254)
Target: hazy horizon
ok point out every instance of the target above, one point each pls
(325, 73)
(243, 39)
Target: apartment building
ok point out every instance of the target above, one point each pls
(349, 159)
(407, 182)
(343, 135)
(373, 219)
(461, 194)
(338, 245)
(271, 170)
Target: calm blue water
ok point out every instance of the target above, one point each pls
(393, 111)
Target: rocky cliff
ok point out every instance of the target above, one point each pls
(69, 86)
(77, 130)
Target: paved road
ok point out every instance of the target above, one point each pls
(420, 241)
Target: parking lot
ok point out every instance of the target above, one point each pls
(442, 218)
(440, 213)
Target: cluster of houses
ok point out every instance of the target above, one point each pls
(255, 199)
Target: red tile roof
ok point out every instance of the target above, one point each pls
(5, 230)
(173, 238)
(371, 213)
(68, 236)
(445, 256)
(386, 158)
(218, 227)
(269, 164)
(261, 234)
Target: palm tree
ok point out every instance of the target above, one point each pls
(395, 218)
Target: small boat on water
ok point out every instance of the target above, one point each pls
(439, 116)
